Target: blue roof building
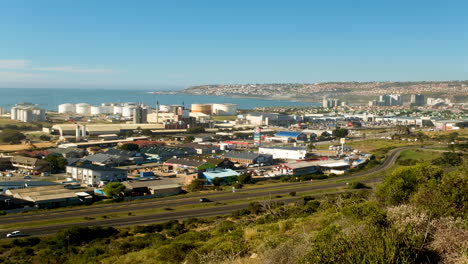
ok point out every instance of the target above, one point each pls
(296, 136)
(218, 173)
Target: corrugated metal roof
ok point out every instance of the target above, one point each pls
(245, 155)
(288, 134)
(220, 173)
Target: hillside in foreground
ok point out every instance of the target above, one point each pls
(417, 215)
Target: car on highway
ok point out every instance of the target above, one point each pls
(27, 177)
(204, 200)
(14, 234)
(9, 175)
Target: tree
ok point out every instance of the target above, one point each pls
(449, 159)
(340, 132)
(402, 183)
(447, 196)
(44, 137)
(11, 136)
(217, 181)
(196, 185)
(114, 189)
(195, 130)
(245, 178)
(129, 146)
(188, 139)
(58, 163)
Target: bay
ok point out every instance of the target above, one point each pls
(50, 98)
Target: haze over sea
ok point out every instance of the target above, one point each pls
(49, 99)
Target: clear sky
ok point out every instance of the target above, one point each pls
(175, 44)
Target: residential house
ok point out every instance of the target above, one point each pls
(30, 164)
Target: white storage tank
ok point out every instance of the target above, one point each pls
(96, 110)
(83, 108)
(225, 109)
(117, 110)
(127, 110)
(165, 108)
(107, 109)
(202, 108)
(14, 113)
(66, 108)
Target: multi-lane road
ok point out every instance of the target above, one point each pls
(219, 206)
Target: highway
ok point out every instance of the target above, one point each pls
(249, 194)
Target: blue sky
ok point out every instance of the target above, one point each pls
(175, 44)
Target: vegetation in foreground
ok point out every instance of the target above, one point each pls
(417, 215)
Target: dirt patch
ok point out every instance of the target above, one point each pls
(26, 147)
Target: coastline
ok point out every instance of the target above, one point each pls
(275, 98)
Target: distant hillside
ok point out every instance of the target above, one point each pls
(316, 90)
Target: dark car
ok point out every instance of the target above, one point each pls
(204, 200)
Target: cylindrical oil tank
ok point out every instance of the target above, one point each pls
(127, 110)
(14, 113)
(107, 109)
(165, 108)
(66, 108)
(83, 108)
(96, 110)
(202, 108)
(117, 110)
(225, 109)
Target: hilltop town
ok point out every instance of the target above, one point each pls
(456, 90)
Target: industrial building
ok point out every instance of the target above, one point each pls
(27, 113)
(93, 175)
(268, 119)
(249, 157)
(50, 196)
(224, 174)
(122, 109)
(155, 187)
(296, 153)
(98, 129)
(289, 136)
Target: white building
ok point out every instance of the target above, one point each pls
(27, 113)
(295, 153)
(92, 175)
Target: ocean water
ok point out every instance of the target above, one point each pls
(49, 99)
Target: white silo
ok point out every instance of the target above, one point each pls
(127, 110)
(95, 110)
(225, 109)
(66, 108)
(107, 109)
(83, 108)
(117, 109)
(27, 115)
(165, 108)
(14, 113)
(38, 115)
